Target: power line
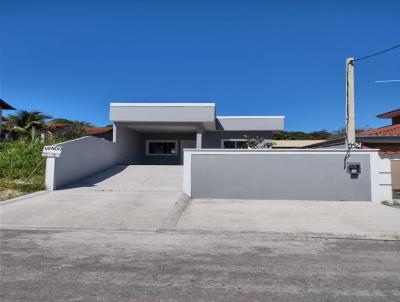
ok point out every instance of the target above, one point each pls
(351, 62)
(386, 81)
(377, 53)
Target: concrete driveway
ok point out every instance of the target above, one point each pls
(148, 198)
(315, 218)
(123, 197)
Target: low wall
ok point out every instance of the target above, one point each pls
(80, 158)
(313, 174)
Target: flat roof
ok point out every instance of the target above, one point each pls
(200, 113)
(300, 143)
(249, 116)
(162, 104)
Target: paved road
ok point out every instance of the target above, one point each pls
(46, 265)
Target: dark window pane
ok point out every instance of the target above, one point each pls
(229, 145)
(162, 148)
(169, 148)
(241, 145)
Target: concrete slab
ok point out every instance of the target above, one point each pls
(123, 197)
(337, 219)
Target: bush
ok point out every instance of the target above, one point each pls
(18, 159)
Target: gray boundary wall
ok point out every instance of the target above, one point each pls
(302, 174)
(80, 158)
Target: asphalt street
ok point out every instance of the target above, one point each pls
(82, 265)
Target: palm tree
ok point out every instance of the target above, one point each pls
(60, 121)
(24, 121)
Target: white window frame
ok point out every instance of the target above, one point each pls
(161, 141)
(231, 140)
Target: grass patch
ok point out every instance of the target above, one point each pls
(18, 159)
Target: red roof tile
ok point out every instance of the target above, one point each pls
(392, 130)
(97, 130)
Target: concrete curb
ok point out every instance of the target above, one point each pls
(385, 237)
(73, 229)
(23, 197)
(176, 212)
(274, 235)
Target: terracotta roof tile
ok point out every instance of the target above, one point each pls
(392, 130)
(97, 130)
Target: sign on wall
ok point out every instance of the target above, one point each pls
(52, 151)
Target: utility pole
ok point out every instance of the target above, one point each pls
(350, 117)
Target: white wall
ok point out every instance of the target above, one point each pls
(80, 158)
(381, 178)
(128, 144)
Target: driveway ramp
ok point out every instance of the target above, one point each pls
(122, 197)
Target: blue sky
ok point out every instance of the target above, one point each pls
(72, 58)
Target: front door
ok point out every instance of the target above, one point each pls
(187, 144)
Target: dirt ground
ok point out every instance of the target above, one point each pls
(9, 193)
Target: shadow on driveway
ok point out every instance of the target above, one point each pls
(94, 179)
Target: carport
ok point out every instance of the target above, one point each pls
(157, 133)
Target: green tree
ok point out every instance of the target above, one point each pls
(24, 121)
(69, 129)
(79, 128)
(299, 135)
(60, 121)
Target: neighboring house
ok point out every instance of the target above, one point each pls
(157, 133)
(101, 132)
(60, 128)
(4, 106)
(386, 139)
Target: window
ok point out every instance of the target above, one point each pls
(234, 144)
(161, 147)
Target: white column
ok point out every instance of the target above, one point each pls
(50, 175)
(114, 133)
(199, 139)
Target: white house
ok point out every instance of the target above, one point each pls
(157, 133)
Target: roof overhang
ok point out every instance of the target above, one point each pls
(202, 114)
(379, 139)
(5, 106)
(390, 114)
(251, 123)
(187, 117)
